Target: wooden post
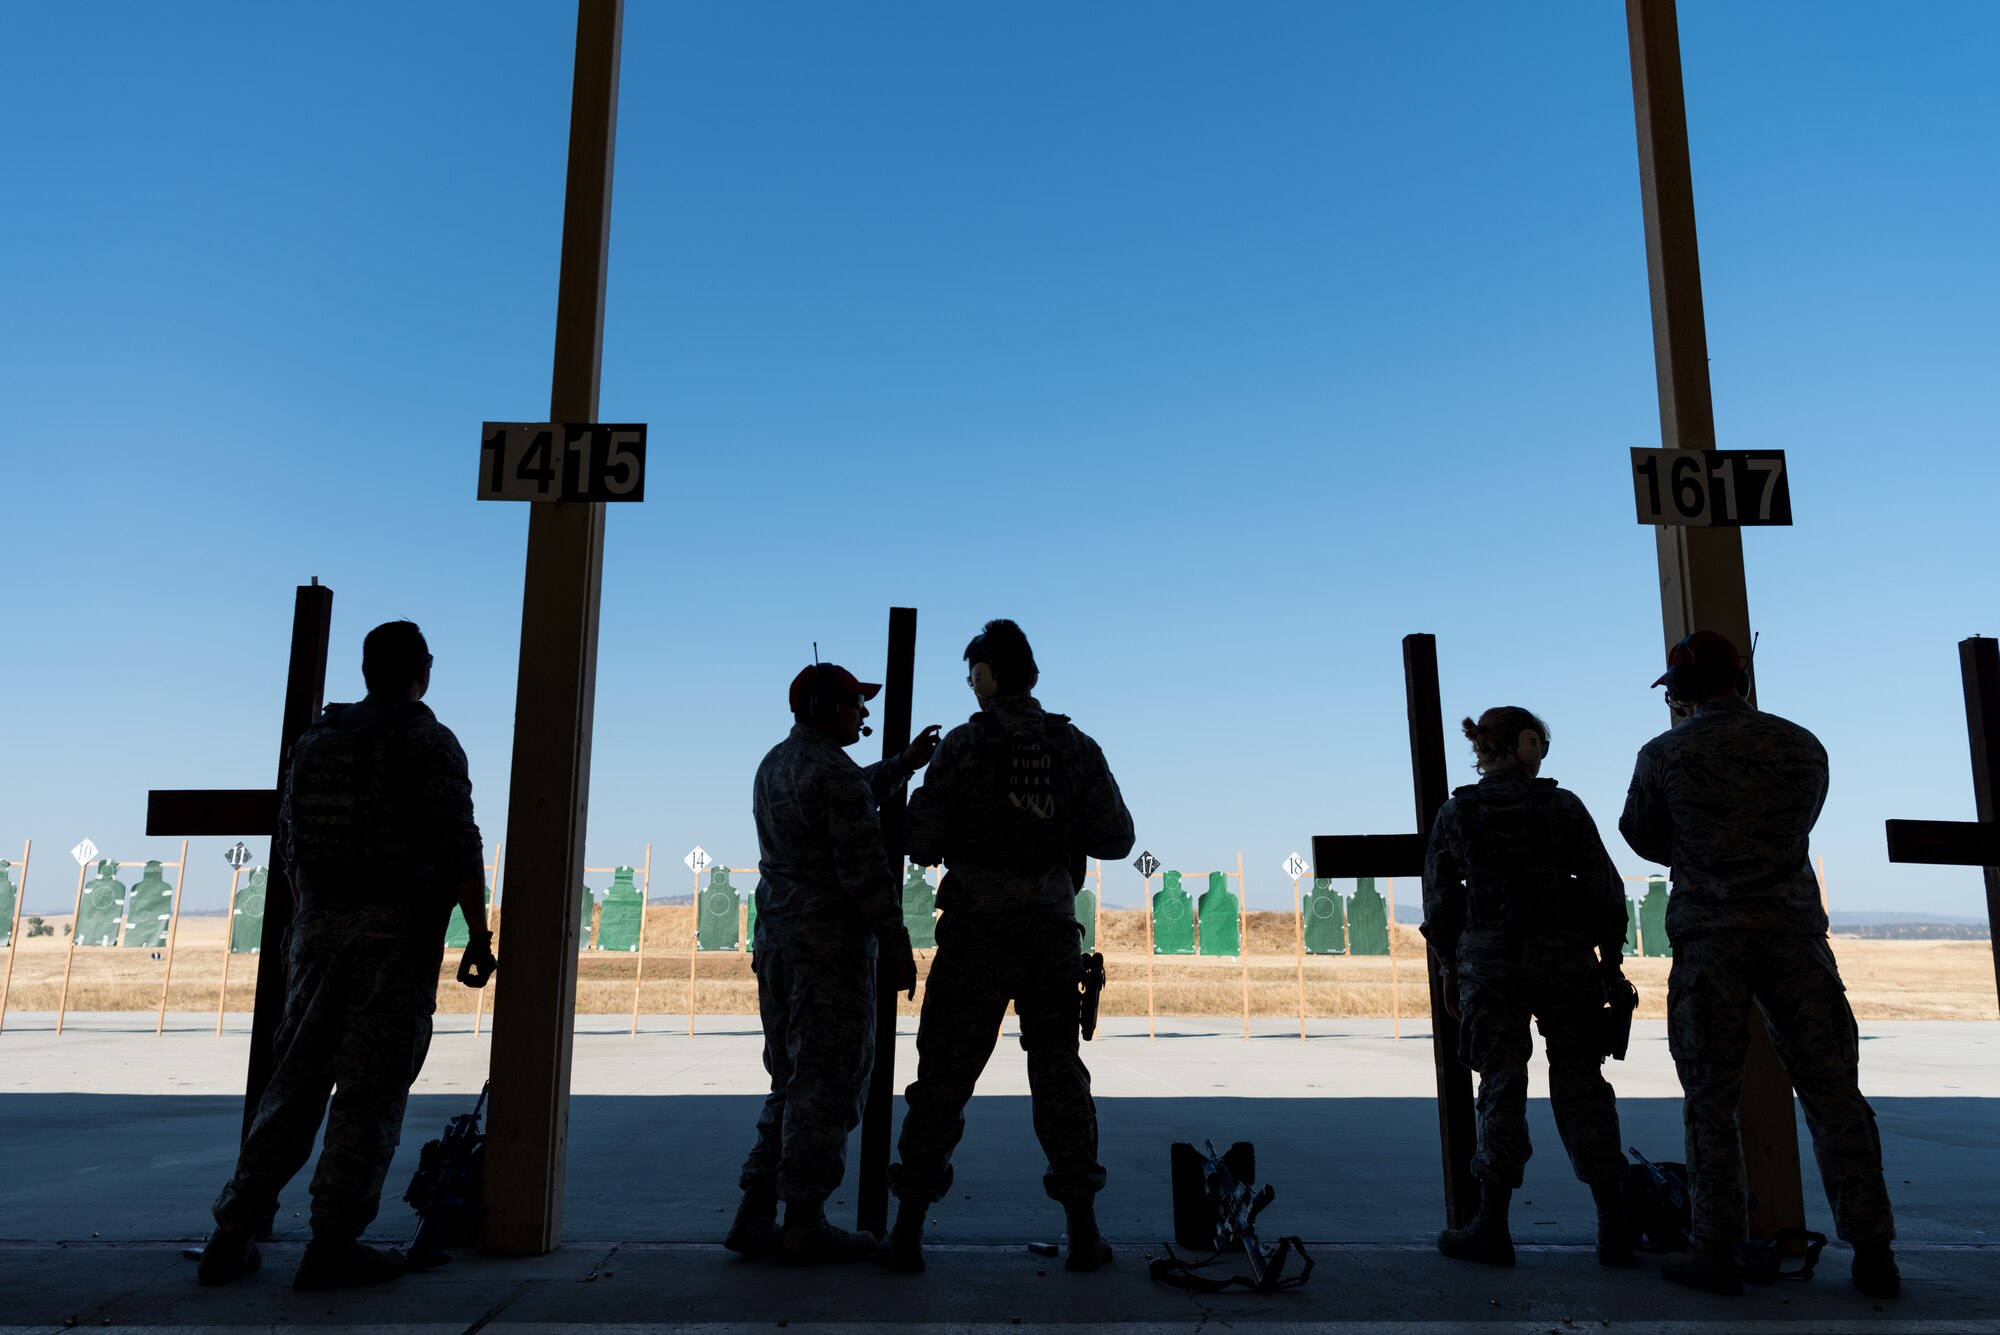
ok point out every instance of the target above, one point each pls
(1243, 938)
(1702, 583)
(1151, 1033)
(639, 964)
(228, 945)
(534, 1007)
(871, 1210)
(173, 931)
(1395, 979)
(14, 932)
(1979, 670)
(1299, 940)
(75, 920)
(1819, 874)
(479, 994)
(1096, 909)
(694, 939)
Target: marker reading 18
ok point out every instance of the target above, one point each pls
(562, 461)
(1711, 488)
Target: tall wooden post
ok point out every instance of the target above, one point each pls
(1702, 584)
(534, 1009)
(305, 693)
(871, 1210)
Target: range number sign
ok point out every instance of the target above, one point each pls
(562, 461)
(1711, 488)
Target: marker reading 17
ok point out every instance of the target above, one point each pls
(562, 461)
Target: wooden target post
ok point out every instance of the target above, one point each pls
(1299, 940)
(173, 930)
(479, 994)
(1243, 938)
(14, 931)
(1395, 984)
(1151, 1033)
(69, 959)
(228, 947)
(639, 963)
(694, 940)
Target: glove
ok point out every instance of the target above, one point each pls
(477, 964)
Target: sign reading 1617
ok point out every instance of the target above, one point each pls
(562, 461)
(1711, 488)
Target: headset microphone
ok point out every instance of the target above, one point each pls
(867, 731)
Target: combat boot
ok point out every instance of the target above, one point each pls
(1486, 1239)
(810, 1239)
(230, 1253)
(756, 1226)
(1874, 1270)
(345, 1264)
(1708, 1266)
(1087, 1248)
(903, 1249)
(1614, 1232)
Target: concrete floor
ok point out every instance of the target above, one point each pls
(116, 1140)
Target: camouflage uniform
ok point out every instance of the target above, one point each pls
(1728, 799)
(1519, 894)
(1008, 932)
(377, 826)
(826, 897)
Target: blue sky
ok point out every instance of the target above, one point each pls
(1219, 345)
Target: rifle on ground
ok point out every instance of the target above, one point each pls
(446, 1189)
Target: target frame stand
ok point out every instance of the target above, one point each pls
(124, 923)
(1242, 937)
(1395, 978)
(14, 929)
(695, 936)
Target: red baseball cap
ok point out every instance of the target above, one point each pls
(843, 681)
(1709, 652)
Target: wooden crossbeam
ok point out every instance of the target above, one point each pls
(1951, 843)
(212, 811)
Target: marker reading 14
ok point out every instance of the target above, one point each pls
(1711, 488)
(562, 461)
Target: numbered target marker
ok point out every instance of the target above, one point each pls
(562, 461)
(1711, 488)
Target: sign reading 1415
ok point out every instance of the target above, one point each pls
(1711, 488)
(562, 461)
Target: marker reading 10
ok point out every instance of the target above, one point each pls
(562, 461)
(1711, 488)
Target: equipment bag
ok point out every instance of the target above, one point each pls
(1215, 1211)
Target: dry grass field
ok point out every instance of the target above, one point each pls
(1887, 980)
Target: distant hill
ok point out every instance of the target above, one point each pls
(1881, 917)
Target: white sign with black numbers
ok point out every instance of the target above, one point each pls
(1711, 488)
(562, 461)
(1295, 866)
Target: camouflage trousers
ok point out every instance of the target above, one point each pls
(1794, 981)
(819, 1046)
(1561, 993)
(980, 967)
(361, 987)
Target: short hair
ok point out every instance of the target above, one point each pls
(1498, 729)
(1003, 646)
(393, 655)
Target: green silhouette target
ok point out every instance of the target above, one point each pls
(1173, 917)
(919, 908)
(715, 928)
(1367, 920)
(1326, 919)
(1220, 933)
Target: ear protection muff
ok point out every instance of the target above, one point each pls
(822, 697)
(1682, 671)
(1530, 747)
(984, 684)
